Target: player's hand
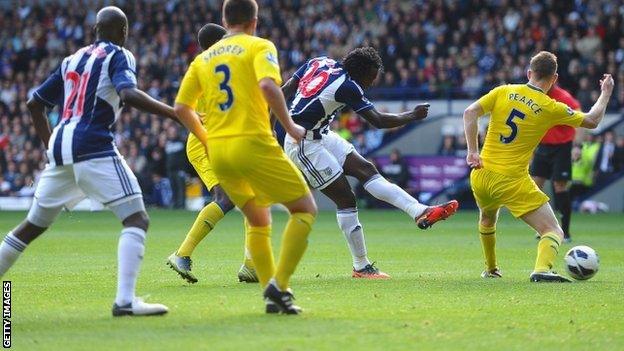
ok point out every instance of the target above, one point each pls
(606, 84)
(474, 160)
(421, 111)
(297, 132)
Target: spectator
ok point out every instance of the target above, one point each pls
(605, 158)
(618, 158)
(396, 171)
(447, 148)
(176, 166)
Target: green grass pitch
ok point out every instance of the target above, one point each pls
(64, 284)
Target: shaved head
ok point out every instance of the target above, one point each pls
(112, 24)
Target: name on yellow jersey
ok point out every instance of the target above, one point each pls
(225, 49)
(529, 102)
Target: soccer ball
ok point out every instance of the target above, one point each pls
(582, 262)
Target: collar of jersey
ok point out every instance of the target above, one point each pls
(534, 87)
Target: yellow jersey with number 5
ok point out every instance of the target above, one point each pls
(520, 115)
(226, 76)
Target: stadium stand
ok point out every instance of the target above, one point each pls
(430, 49)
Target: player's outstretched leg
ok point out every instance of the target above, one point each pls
(487, 236)
(340, 192)
(544, 222)
(130, 253)
(278, 295)
(424, 216)
(180, 261)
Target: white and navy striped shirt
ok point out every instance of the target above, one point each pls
(324, 89)
(86, 85)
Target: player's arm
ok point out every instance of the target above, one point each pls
(191, 121)
(186, 101)
(596, 113)
(383, 120)
(268, 74)
(276, 101)
(290, 88)
(122, 71)
(140, 100)
(471, 129)
(48, 95)
(40, 119)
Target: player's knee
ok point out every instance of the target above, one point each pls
(138, 220)
(368, 170)
(221, 198)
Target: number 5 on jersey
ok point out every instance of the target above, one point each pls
(514, 127)
(225, 87)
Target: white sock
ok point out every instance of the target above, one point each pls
(10, 250)
(383, 190)
(352, 229)
(129, 256)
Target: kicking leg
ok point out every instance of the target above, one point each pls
(355, 165)
(340, 192)
(487, 236)
(543, 220)
(207, 219)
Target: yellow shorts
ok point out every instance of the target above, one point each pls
(255, 167)
(196, 154)
(493, 191)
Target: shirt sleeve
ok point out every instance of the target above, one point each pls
(50, 93)
(122, 70)
(301, 70)
(562, 114)
(488, 100)
(353, 96)
(190, 88)
(265, 62)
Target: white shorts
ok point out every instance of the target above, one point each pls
(107, 180)
(320, 161)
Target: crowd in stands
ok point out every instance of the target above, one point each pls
(430, 49)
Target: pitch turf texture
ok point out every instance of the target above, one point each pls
(64, 284)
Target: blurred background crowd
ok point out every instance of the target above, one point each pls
(430, 49)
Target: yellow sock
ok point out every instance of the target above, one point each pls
(547, 250)
(259, 241)
(488, 244)
(205, 221)
(247, 261)
(294, 244)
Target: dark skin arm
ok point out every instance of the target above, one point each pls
(40, 120)
(289, 89)
(391, 120)
(140, 100)
(374, 117)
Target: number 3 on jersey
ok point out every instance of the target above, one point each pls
(225, 87)
(514, 127)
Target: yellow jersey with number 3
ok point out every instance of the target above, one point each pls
(520, 115)
(226, 76)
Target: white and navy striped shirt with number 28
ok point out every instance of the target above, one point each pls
(86, 86)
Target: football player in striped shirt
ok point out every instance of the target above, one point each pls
(91, 87)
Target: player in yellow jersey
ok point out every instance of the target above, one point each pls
(211, 214)
(239, 78)
(520, 115)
